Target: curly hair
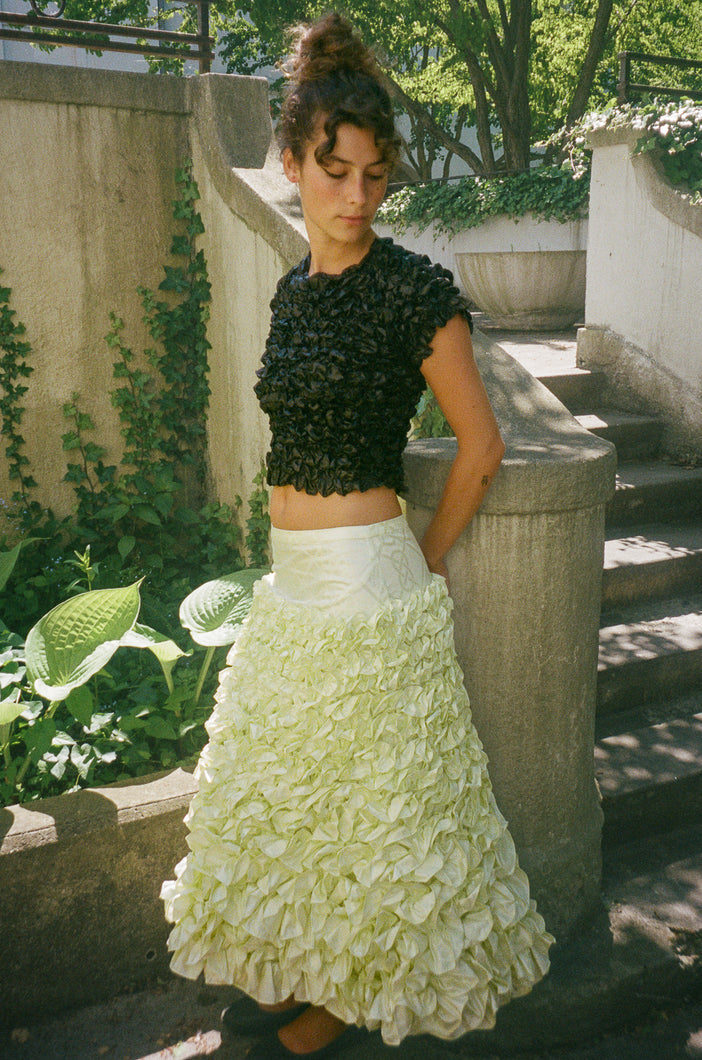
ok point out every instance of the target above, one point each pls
(333, 76)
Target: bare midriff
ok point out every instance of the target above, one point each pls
(293, 509)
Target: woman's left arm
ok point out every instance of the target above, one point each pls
(453, 376)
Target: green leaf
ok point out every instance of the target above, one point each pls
(160, 729)
(38, 739)
(213, 612)
(147, 514)
(125, 545)
(81, 704)
(8, 560)
(166, 651)
(10, 709)
(77, 638)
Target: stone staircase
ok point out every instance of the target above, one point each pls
(648, 755)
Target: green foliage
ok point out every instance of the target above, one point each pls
(161, 411)
(13, 369)
(258, 523)
(429, 421)
(549, 192)
(90, 732)
(77, 638)
(461, 62)
(671, 131)
(114, 714)
(146, 515)
(213, 613)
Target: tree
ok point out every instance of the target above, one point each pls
(514, 70)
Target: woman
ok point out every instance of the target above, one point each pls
(349, 867)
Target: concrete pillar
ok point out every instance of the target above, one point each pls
(525, 580)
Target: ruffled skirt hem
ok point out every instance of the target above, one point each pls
(345, 845)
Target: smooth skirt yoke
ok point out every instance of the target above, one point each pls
(345, 845)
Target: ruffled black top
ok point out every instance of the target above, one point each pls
(340, 377)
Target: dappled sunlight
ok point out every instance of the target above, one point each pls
(675, 543)
(651, 637)
(659, 754)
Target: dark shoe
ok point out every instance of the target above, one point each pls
(271, 1048)
(245, 1018)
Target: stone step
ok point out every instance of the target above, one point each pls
(649, 651)
(636, 437)
(577, 388)
(650, 778)
(651, 491)
(620, 722)
(651, 562)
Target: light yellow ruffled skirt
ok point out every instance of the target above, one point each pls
(345, 845)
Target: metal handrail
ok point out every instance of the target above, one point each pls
(35, 27)
(626, 87)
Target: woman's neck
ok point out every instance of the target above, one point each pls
(333, 258)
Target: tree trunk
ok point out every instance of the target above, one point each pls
(515, 112)
(503, 79)
(598, 39)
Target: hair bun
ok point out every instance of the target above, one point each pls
(328, 46)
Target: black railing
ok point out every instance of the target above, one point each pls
(36, 27)
(628, 89)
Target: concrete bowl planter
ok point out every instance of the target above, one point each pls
(524, 272)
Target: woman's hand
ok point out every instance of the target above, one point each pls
(442, 569)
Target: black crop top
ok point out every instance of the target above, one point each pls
(340, 376)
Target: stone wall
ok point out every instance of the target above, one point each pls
(644, 288)
(87, 162)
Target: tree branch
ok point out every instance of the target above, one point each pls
(500, 53)
(506, 24)
(598, 39)
(611, 35)
(426, 122)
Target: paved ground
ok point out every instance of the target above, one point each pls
(177, 1020)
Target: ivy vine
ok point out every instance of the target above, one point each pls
(146, 513)
(155, 497)
(671, 131)
(13, 369)
(549, 192)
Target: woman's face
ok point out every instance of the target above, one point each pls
(340, 197)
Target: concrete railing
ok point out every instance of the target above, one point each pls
(643, 288)
(525, 579)
(84, 871)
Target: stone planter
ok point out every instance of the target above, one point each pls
(525, 273)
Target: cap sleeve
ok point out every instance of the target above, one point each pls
(434, 300)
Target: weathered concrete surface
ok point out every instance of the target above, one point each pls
(88, 161)
(644, 282)
(641, 958)
(525, 579)
(79, 878)
(253, 235)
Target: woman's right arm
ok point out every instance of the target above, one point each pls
(453, 376)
